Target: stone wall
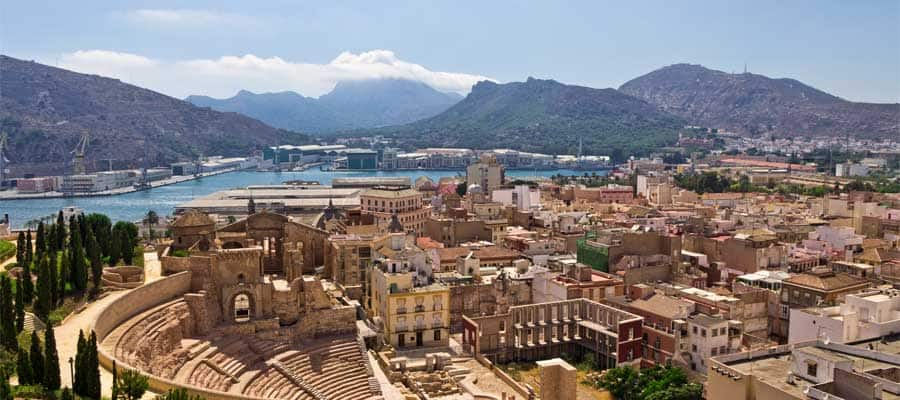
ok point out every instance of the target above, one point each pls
(476, 300)
(140, 300)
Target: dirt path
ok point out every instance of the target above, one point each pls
(67, 332)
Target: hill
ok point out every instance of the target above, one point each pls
(756, 104)
(350, 105)
(544, 116)
(45, 110)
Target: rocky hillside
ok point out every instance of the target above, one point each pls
(45, 110)
(350, 105)
(755, 104)
(545, 116)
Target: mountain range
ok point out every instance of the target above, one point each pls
(544, 116)
(350, 105)
(756, 104)
(46, 110)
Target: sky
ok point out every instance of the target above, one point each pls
(847, 48)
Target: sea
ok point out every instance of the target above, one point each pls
(133, 206)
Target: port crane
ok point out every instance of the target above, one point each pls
(78, 159)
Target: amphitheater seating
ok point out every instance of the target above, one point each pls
(340, 374)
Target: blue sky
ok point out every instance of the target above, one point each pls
(848, 48)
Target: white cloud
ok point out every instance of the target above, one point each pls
(188, 18)
(224, 76)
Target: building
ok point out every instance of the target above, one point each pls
(362, 159)
(486, 173)
(815, 370)
(348, 259)
(36, 185)
(608, 194)
(547, 330)
(863, 316)
(413, 309)
(710, 336)
(665, 330)
(383, 202)
(98, 182)
(578, 281)
(819, 287)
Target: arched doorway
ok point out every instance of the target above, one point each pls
(241, 307)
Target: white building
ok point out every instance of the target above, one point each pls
(521, 196)
(711, 336)
(862, 316)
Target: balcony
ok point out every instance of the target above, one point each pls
(421, 327)
(401, 310)
(420, 308)
(401, 328)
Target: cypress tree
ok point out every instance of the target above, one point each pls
(92, 371)
(115, 384)
(43, 303)
(37, 359)
(5, 389)
(51, 361)
(27, 285)
(115, 249)
(127, 247)
(23, 368)
(40, 245)
(78, 269)
(60, 231)
(53, 269)
(67, 394)
(20, 249)
(64, 272)
(93, 252)
(7, 316)
(20, 309)
(79, 385)
(29, 251)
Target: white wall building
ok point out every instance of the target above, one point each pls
(862, 316)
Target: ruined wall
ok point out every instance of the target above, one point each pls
(486, 299)
(314, 241)
(649, 273)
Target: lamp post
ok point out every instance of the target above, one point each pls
(71, 372)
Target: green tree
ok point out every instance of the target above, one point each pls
(115, 250)
(29, 250)
(621, 382)
(43, 303)
(20, 310)
(152, 218)
(78, 272)
(36, 359)
(27, 285)
(80, 385)
(51, 361)
(66, 394)
(127, 248)
(40, 245)
(92, 365)
(23, 368)
(132, 385)
(5, 389)
(178, 394)
(56, 293)
(101, 226)
(63, 279)
(93, 253)
(130, 229)
(60, 231)
(20, 249)
(7, 316)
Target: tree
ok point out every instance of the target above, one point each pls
(63, 278)
(23, 368)
(101, 227)
(78, 272)
(115, 381)
(621, 382)
(27, 286)
(36, 358)
(79, 385)
(115, 250)
(44, 301)
(93, 253)
(152, 218)
(20, 310)
(40, 246)
(66, 394)
(127, 248)
(7, 316)
(53, 268)
(131, 384)
(29, 251)
(51, 361)
(178, 394)
(60, 231)
(20, 249)
(131, 231)
(461, 189)
(92, 370)
(5, 389)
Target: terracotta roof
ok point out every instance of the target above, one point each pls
(826, 281)
(450, 254)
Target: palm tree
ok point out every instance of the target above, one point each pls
(151, 219)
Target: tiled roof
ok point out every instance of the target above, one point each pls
(826, 282)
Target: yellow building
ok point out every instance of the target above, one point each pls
(415, 311)
(383, 202)
(486, 173)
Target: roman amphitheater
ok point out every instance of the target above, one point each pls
(237, 317)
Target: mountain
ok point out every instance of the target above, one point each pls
(755, 104)
(45, 110)
(350, 105)
(544, 116)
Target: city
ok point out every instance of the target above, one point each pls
(407, 233)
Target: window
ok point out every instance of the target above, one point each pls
(811, 368)
(694, 348)
(241, 308)
(437, 335)
(715, 332)
(695, 329)
(715, 352)
(722, 350)
(703, 332)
